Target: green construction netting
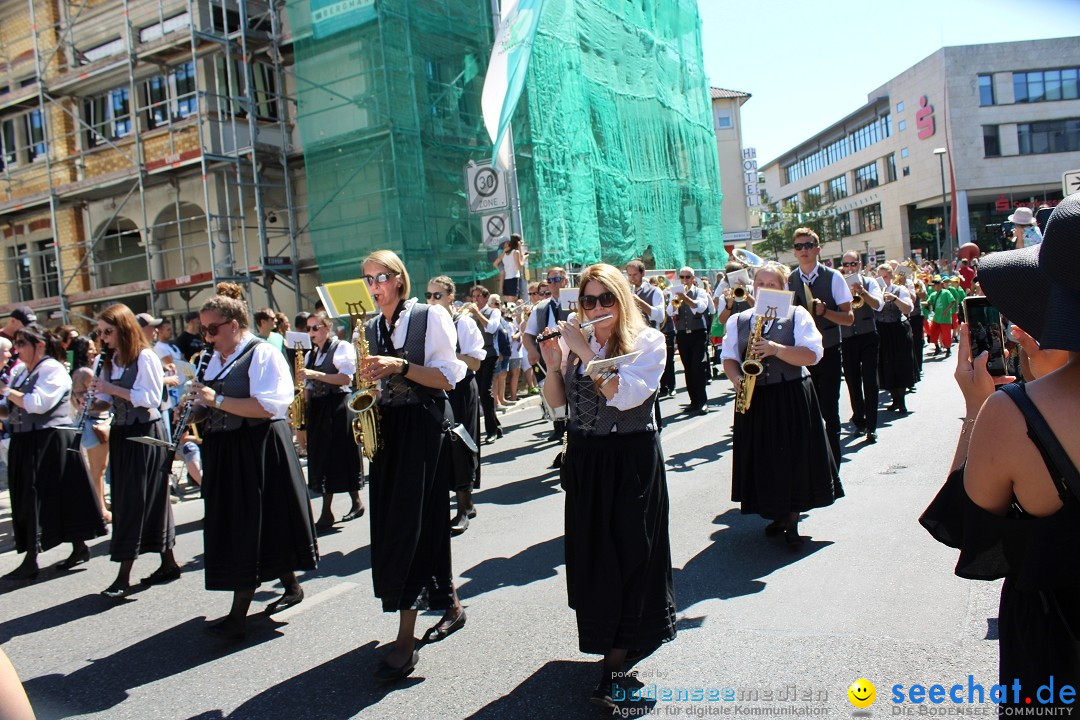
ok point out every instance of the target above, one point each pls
(616, 156)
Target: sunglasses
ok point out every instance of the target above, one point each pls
(433, 296)
(804, 246)
(108, 331)
(588, 302)
(533, 292)
(313, 328)
(544, 293)
(850, 264)
(686, 277)
(380, 278)
(555, 279)
(211, 329)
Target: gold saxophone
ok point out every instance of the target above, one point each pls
(297, 415)
(751, 368)
(361, 400)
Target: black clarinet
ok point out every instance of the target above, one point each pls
(189, 405)
(88, 401)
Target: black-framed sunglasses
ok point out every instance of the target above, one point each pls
(588, 302)
(805, 246)
(686, 277)
(555, 279)
(544, 293)
(211, 329)
(313, 328)
(850, 264)
(380, 278)
(433, 295)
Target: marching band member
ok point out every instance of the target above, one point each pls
(618, 557)
(897, 374)
(413, 358)
(333, 459)
(823, 292)
(95, 430)
(782, 463)
(859, 351)
(258, 524)
(142, 516)
(52, 498)
(465, 397)
(688, 307)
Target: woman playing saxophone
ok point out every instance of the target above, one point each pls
(782, 464)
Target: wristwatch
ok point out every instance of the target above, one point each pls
(404, 367)
(218, 400)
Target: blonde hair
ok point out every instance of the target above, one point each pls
(630, 322)
(390, 260)
(774, 267)
(805, 232)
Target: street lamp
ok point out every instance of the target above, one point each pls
(940, 152)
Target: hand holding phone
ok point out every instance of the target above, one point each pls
(986, 333)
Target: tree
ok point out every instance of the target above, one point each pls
(780, 221)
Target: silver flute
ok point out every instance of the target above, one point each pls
(587, 323)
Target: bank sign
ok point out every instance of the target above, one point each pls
(329, 17)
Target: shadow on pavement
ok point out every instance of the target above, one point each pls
(522, 491)
(559, 689)
(336, 690)
(692, 459)
(732, 564)
(105, 682)
(53, 616)
(528, 566)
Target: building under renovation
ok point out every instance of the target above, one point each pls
(151, 148)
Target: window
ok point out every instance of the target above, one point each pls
(838, 188)
(120, 106)
(20, 264)
(870, 218)
(900, 106)
(792, 201)
(108, 116)
(232, 84)
(837, 150)
(183, 84)
(10, 157)
(841, 225)
(157, 101)
(866, 177)
(171, 97)
(1045, 85)
(33, 267)
(813, 196)
(890, 168)
(903, 152)
(1049, 137)
(113, 47)
(991, 141)
(906, 171)
(901, 126)
(34, 126)
(723, 120)
(265, 91)
(157, 30)
(986, 90)
(47, 273)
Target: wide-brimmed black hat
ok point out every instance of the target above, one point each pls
(1038, 288)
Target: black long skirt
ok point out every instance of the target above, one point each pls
(618, 552)
(782, 462)
(410, 510)
(52, 498)
(895, 369)
(465, 402)
(333, 457)
(258, 523)
(142, 516)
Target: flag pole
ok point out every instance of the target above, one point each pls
(511, 172)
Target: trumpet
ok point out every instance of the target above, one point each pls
(361, 400)
(857, 301)
(739, 293)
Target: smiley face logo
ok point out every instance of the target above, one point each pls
(862, 693)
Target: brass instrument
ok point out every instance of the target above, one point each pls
(739, 293)
(361, 400)
(297, 413)
(752, 366)
(857, 301)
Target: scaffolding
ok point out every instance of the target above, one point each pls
(147, 151)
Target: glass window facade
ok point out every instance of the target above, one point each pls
(1052, 136)
(991, 141)
(866, 177)
(986, 90)
(1046, 85)
(870, 218)
(838, 188)
(865, 136)
(890, 168)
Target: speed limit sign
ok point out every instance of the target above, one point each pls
(486, 188)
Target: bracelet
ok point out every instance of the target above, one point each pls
(968, 424)
(608, 378)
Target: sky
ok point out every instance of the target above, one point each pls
(810, 63)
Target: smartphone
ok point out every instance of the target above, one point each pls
(986, 332)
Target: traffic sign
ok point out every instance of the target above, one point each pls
(1070, 182)
(486, 188)
(496, 229)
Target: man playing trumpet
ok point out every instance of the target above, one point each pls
(687, 308)
(859, 348)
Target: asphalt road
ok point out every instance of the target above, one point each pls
(870, 595)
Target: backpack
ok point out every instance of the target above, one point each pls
(502, 339)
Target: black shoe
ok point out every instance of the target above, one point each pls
(164, 574)
(325, 524)
(792, 538)
(459, 524)
(77, 557)
(859, 425)
(388, 674)
(557, 462)
(871, 437)
(555, 437)
(444, 628)
(286, 601)
(948, 353)
(116, 592)
(356, 512)
(775, 528)
(601, 694)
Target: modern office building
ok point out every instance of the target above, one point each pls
(738, 168)
(1000, 123)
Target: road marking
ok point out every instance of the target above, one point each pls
(316, 599)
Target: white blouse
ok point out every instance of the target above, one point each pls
(268, 375)
(639, 379)
(806, 334)
(470, 339)
(344, 359)
(440, 350)
(149, 381)
(52, 382)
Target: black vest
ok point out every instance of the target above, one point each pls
(397, 390)
(321, 389)
(546, 312)
(821, 289)
(685, 318)
(124, 413)
(780, 331)
(648, 293)
(23, 421)
(890, 311)
(590, 414)
(236, 384)
(864, 322)
(489, 338)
